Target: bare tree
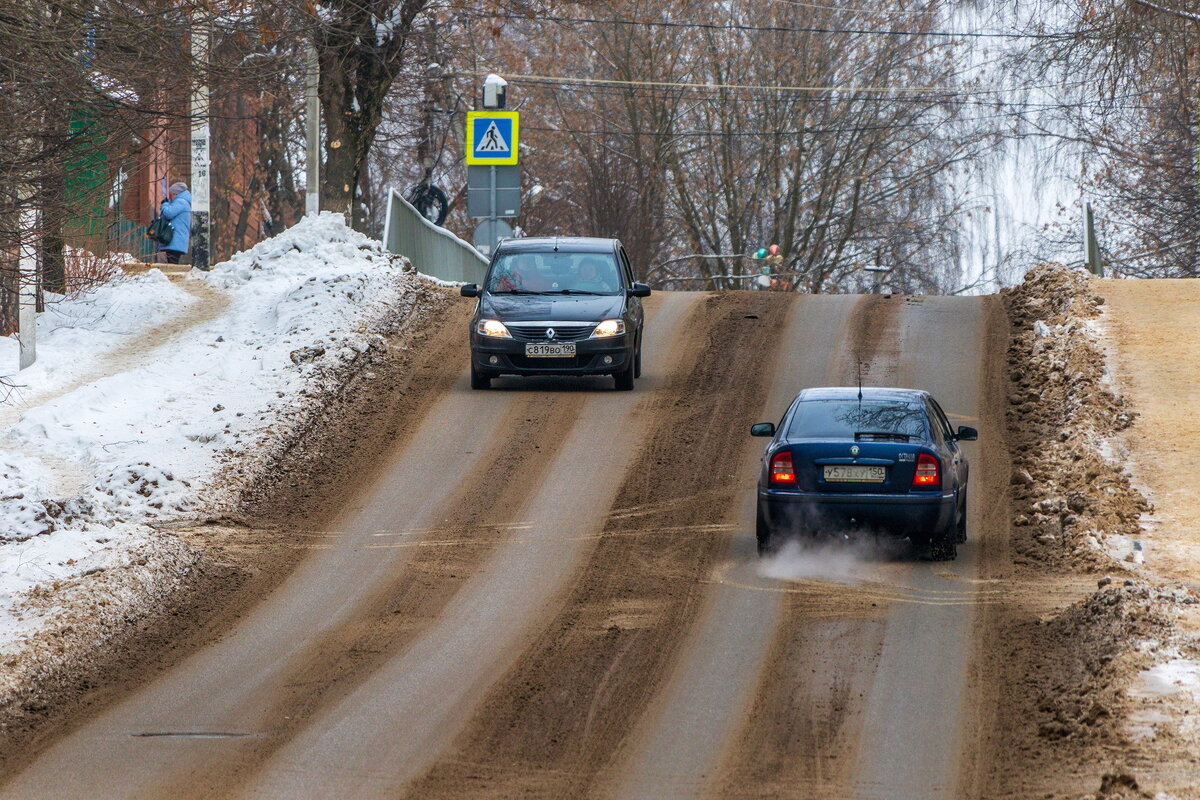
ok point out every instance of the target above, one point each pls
(1133, 123)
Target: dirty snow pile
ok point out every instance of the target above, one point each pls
(1071, 500)
(144, 390)
(1116, 666)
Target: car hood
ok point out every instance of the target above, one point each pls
(581, 308)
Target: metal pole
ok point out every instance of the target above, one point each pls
(1091, 246)
(201, 230)
(492, 208)
(27, 290)
(312, 124)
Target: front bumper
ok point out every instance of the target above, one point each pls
(492, 357)
(916, 515)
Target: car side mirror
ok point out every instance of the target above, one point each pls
(762, 429)
(640, 290)
(469, 290)
(966, 434)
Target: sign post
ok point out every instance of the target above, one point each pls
(200, 145)
(493, 177)
(312, 138)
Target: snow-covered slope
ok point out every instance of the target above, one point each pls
(145, 389)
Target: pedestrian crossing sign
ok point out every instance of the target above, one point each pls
(492, 137)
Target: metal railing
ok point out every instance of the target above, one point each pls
(432, 250)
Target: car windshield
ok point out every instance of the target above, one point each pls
(554, 273)
(851, 418)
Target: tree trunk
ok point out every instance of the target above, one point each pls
(359, 62)
(54, 214)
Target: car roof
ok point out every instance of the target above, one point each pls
(569, 244)
(868, 393)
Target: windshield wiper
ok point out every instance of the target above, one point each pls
(569, 291)
(513, 291)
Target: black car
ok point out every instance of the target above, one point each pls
(880, 459)
(557, 306)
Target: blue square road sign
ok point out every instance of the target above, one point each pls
(492, 138)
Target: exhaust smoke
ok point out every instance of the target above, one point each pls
(837, 559)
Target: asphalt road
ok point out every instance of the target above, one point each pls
(550, 590)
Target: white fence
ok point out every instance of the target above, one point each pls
(432, 250)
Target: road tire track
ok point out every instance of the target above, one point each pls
(800, 736)
(245, 558)
(552, 724)
(404, 608)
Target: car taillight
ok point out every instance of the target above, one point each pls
(782, 470)
(928, 474)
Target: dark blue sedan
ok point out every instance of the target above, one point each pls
(884, 460)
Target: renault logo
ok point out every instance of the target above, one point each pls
(854, 450)
(550, 333)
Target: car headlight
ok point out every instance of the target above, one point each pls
(492, 327)
(610, 327)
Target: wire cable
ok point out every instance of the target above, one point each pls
(939, 99)
(709, 86)
(541, 18)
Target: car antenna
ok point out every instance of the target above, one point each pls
(860, 385)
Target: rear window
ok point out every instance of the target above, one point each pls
(535, 273)
(842, 419)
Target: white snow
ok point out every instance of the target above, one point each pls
(145, 388)
(1177, 679)
(1177, 676)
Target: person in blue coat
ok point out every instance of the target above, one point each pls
(177, 208)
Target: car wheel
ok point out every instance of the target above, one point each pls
(479, 381)
(624, 379)
(762, 533)
(943, 550)
(637, 360)
(944, 544)
(962, 524)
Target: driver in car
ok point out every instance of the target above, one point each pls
(591, 277)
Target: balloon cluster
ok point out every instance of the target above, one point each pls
(771, 255)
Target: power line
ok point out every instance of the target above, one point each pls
(877, 12)
(709, 86)
(766, 96)
(770, 133)
(541, 18)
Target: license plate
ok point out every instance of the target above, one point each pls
(559, 350)
(855, 474)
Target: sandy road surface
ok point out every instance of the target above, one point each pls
(1152, 326)
(549, 590)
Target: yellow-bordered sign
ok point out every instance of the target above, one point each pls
(492, 137)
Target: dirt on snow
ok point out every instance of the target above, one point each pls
(113, 630)
(1082, 620)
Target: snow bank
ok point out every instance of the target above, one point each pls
(145, 389)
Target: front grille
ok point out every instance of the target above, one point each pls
(562, 333)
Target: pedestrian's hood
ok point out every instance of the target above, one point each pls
(581, 308)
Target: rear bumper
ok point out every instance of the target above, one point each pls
(494, 357)
(914, 515)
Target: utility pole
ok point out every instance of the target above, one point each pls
(312, 125)
(1090, 245)
(27, 282)
(201, 222)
